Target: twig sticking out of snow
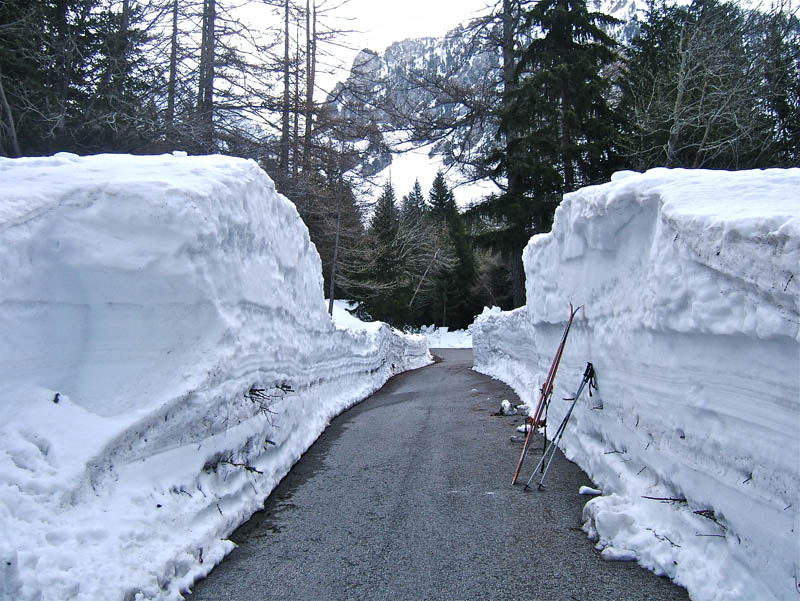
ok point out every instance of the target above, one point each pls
(244, 466)
(666, 499)
(662, 537)
(264, 400)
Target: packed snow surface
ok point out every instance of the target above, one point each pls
(165, 357)
(690, 286)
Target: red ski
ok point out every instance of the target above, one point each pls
(547, 390)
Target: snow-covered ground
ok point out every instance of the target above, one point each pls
(690, 282)
(416, 164)
(438, 337)
(165, 357)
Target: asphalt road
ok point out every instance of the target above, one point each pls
(408, 496)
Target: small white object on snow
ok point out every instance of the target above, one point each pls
(506, 408)
(612, 554)
(588, 490)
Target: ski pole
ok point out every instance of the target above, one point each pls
(552, 447)
(547, 390)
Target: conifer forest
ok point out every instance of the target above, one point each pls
(539, 97)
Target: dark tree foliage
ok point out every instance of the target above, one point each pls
(453, 304)
(560, 112)
(557, 122)
(414, 206)
(442, 201)
(712, 85)
(71, 76)
(383, 282)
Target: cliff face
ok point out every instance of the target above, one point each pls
(433, 81)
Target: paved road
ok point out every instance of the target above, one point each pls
(407, 496)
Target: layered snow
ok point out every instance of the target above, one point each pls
(165, 357)
(690, 286)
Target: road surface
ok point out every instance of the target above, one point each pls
(408, 496)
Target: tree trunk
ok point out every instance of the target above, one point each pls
(296, 103)
(514, 191)
(566, 142)
(311, 67)
(13, 142)
(510, 25)
(122, 64)
(173, 67)
(332, 284)
(205, 99)
(284, 150)
(677, 109)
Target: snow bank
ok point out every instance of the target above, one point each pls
(442, 337)
(691, 287)
(437, 337)
(344, 319)
(165, 357)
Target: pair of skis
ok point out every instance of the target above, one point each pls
(588, 378)
(547, 391)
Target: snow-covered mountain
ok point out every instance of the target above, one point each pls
(427, 84)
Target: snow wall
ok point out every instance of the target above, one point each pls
(142, 301)
(690, 282)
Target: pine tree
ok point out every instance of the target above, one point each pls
(559, 127)
(383, 276)
(453, 304)
(69, 75)
(413, 207)
(561, 103)
(385, 220)
(442, 201)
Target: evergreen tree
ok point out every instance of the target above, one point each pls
(383, 277)
(453, 304)
(72, 76)
(442, 201)
(561, 105)
(385, 221)
(557, 122)
(413, 207)
(781, 85)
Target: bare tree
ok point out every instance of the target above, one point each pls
(9, 144)
(695, 85)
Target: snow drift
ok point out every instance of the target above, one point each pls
(690, 282)
(165, 357)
